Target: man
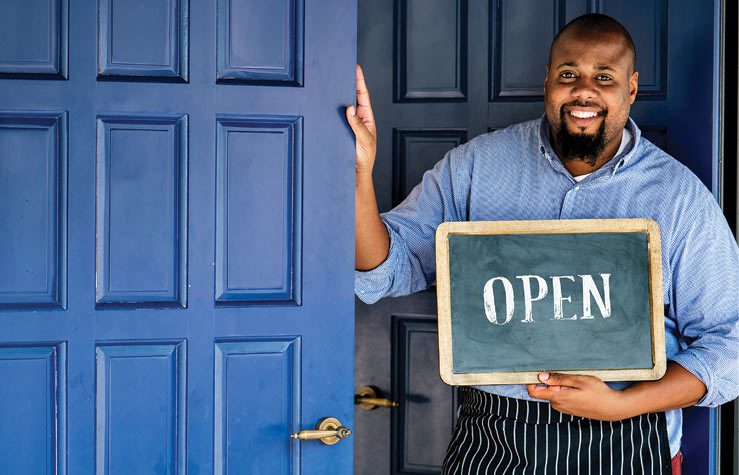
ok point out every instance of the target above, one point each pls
(584, 159)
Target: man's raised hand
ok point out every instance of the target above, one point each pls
(362, 122)
(371, 242)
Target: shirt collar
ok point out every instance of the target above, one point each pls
(617, 162)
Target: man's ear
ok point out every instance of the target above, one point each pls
(633, 85)
(545, 79)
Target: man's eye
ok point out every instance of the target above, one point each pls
(567, 75)
(603, 77)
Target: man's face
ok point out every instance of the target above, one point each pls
(588, 93)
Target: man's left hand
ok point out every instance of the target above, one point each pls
(583, 396)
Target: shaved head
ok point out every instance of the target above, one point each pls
(596, 24)
(590, 86)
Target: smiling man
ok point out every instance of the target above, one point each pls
(590, 85)
(584, 159)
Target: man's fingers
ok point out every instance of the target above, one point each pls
(545, 392)
(357, 124)
(363, 98)
(559, 379)
(556, 384)
(537, 391)
(364, 106)
(531, 389)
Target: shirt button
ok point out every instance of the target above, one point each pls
(577, 188)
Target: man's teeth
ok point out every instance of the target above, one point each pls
(583, 115)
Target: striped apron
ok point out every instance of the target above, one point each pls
(499, 435)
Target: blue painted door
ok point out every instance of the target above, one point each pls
(176, 235)
(441, 72)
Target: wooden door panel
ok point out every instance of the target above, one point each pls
(430, 50)
(34, 38)
(517, 29)
(419, 433)
(154, 195)
(267, 44)
(263, 375)
(33, 172)
(142, 211)
(141, 407)
(259, 223)
(416, 151)
(159, 49)
(34, 434)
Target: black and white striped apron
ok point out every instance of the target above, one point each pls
(499, 435)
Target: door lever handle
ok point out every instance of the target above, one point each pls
(367, 399)
(328, 430)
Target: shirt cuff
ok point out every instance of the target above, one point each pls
(370, 286)
(695, 365)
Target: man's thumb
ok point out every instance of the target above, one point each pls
(355, 122)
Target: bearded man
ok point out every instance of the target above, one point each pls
(585, 158)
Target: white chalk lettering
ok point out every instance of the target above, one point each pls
(589, 288)
(558, 299)
(589, 291)
(489, 300)
(527, 300)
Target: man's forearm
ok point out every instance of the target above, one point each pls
(588, 396)
(372, 243)
(678, 388)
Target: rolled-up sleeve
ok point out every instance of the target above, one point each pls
(705, 303)
(370, 286)
(411, 262)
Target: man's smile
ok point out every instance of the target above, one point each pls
(584, 116)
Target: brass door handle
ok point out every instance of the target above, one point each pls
(367, 399)
(328, 430)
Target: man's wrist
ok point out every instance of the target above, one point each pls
(364, 179)
(625, 406)
(633, 401)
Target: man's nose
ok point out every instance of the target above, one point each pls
(584, 88)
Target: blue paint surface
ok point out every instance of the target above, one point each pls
(142, 210)
(34, 40)
(159, 47)
(34, 209)
(269, 147)
(111, 186)
(261, 42)
(140, 395)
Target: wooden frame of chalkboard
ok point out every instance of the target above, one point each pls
(652, 365)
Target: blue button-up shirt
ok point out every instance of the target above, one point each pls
(514, 174)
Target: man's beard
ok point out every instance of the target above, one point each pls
(584, 147)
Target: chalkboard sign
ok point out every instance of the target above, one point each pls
(575, 296)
